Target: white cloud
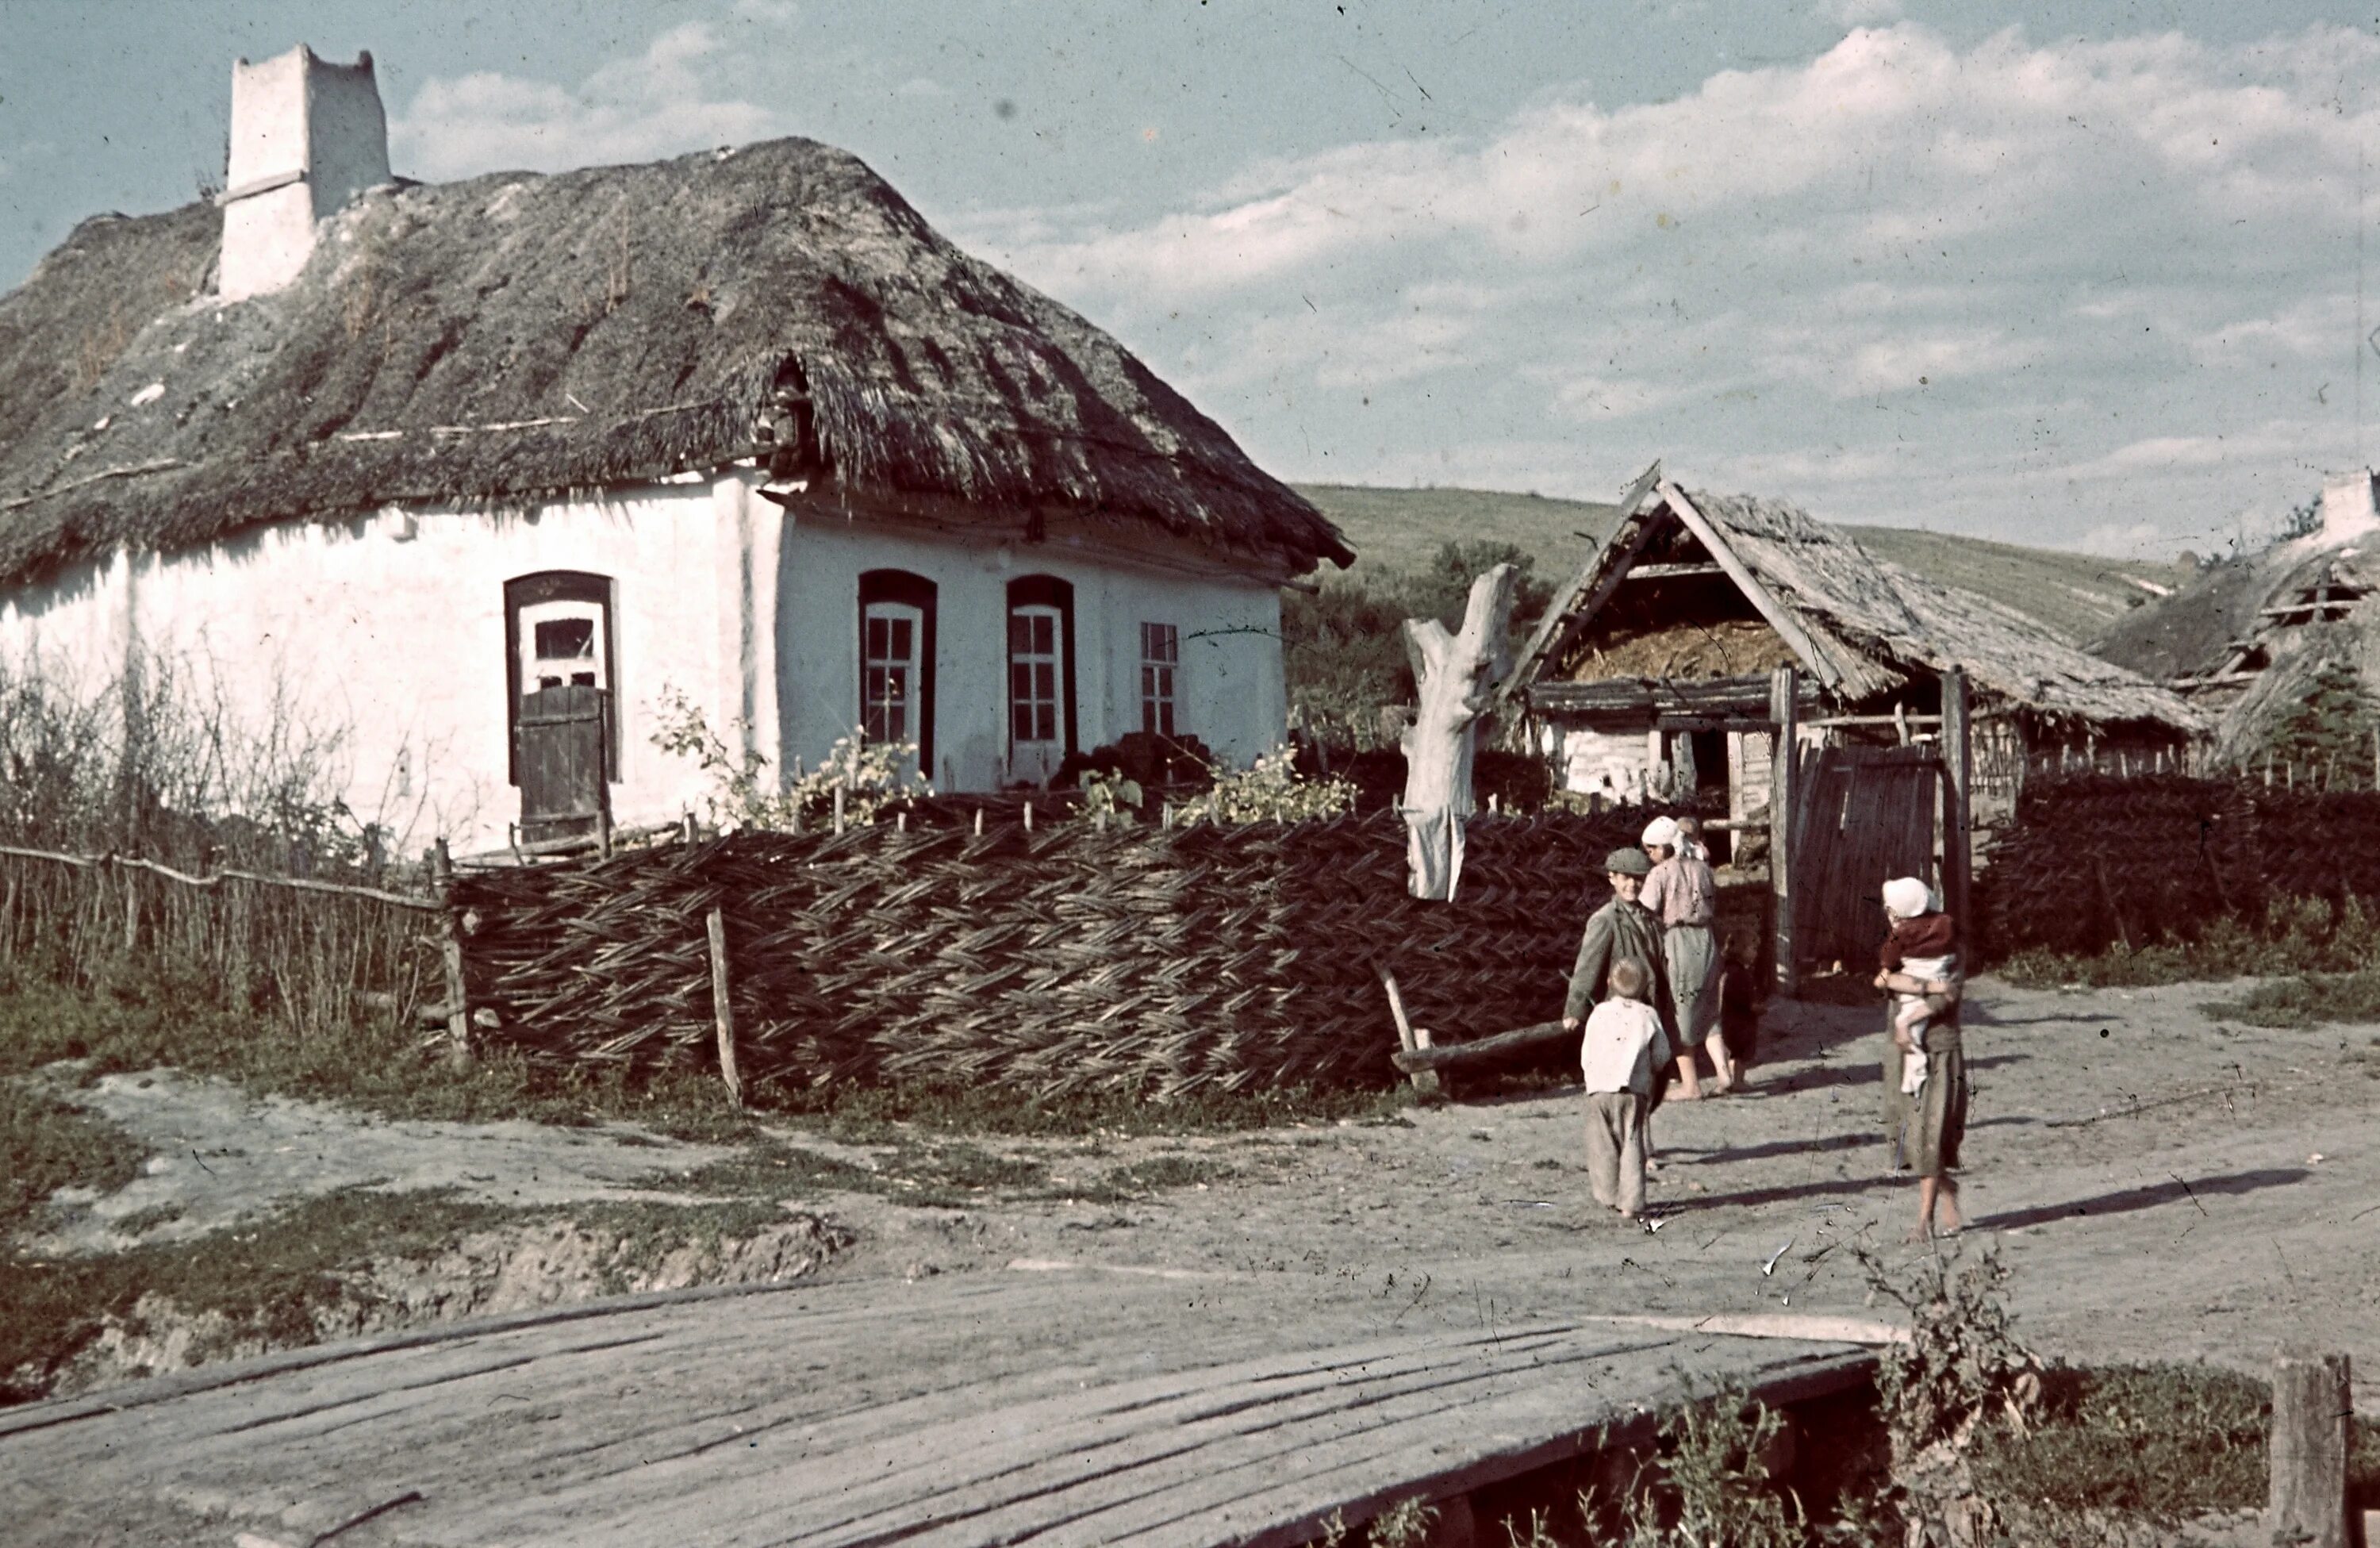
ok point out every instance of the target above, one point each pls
(653, 104)
(2139, 540)
(2008, 287)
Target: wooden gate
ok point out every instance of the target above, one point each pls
(563, 782)
(1862, 816)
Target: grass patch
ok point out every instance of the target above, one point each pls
(48, 1145)
(268, 1278)
(2297, 937)
(2165, 1441)
(2306, 1001)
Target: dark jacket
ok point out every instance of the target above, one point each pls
(1621, 931)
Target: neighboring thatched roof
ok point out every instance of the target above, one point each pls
(1871, 627)
(515, 336)
(2243, 636)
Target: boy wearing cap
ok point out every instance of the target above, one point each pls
(1616, 1058)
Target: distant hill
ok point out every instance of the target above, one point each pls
(2075, 597)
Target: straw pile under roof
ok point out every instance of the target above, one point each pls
(515, 336)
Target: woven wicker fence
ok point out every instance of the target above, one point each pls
(2096, 861)
(1073, 958)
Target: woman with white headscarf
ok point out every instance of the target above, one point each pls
(1683, 894)
(1925, 1078)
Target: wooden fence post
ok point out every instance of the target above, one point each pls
(450, 949)
(722, 1013)
(1784, 760)
(1409, 1037)
(1958, 827)
(2313, 1415)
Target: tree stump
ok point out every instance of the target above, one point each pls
(1456, 675)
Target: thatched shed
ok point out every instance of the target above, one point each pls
(2247, 641)
(1656, 671)
(734, 400)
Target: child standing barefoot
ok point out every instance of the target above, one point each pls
(1616, 1057)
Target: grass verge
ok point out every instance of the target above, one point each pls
(2297, 937)
(2306, 1001)
(2163, 1442)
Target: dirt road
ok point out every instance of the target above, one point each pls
(2209, 1226)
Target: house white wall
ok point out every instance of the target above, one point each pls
(1230, 691)
(388, 631)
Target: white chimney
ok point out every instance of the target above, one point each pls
(2347, 510)
(306, 137)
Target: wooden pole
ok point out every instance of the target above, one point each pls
(1958, 806)
(1410, 1038)
(722, 1013)
(2313, 1415)
(1783, 805)
(450, 951)
(838, 809)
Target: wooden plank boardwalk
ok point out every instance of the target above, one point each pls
(1048, 1409)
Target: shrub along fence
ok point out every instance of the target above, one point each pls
(2097, 861)
(1076, 956)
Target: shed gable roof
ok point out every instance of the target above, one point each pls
(1862, 627)
(516, 336)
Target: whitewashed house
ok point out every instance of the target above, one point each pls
(475, 472)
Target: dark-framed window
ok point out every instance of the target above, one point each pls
(1161, 665)
(896, 659)
(1041, 663)
(561, 629)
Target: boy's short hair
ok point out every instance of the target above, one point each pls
(1627, 980)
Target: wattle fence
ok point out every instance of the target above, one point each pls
(2094, 860)
(1075, 958)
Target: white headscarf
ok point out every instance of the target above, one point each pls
(1661, 831)
(1907, 897)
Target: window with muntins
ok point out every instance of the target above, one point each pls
(895, 683)
(1161, 658)
(888, 672)
(1034, 708)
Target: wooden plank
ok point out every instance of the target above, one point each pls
(1672, 572)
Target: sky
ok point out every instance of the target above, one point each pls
(2083, 275)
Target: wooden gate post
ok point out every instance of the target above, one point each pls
(450, 950)
(1783, 805)
(1957, 822)
(2313, 1415)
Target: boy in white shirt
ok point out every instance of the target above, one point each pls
(1616, 1057)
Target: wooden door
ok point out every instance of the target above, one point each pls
(1864, 815)
(563, 784)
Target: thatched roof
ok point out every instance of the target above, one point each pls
(514, 336)
(1865, 627)
(2241, 635)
